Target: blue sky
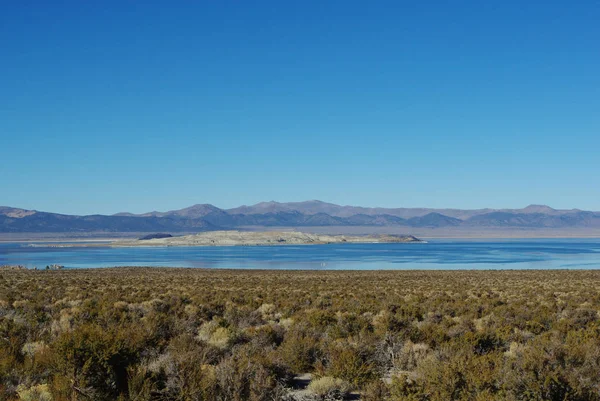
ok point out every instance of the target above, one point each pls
(114, 106)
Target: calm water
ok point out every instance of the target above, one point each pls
(437, 254)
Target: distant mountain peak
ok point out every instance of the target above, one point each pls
(533, 208)
(200, 206)
(194, 211)
(268, 203)
(434, 219)
(15, 213)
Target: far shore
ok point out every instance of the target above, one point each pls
(103, 239)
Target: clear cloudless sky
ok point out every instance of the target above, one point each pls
(109, 106)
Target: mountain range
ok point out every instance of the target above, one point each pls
(310, 214)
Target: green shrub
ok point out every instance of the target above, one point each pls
(349, 363)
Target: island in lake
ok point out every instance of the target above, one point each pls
(243, 238)
(249, 238)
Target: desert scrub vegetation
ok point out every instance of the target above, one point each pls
(137, 334)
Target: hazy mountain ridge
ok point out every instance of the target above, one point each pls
(316, 206)
(206, 217)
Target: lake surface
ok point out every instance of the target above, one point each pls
(436, 254)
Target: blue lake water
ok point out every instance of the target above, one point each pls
(436, 254)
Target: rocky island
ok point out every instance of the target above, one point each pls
(250, 238)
